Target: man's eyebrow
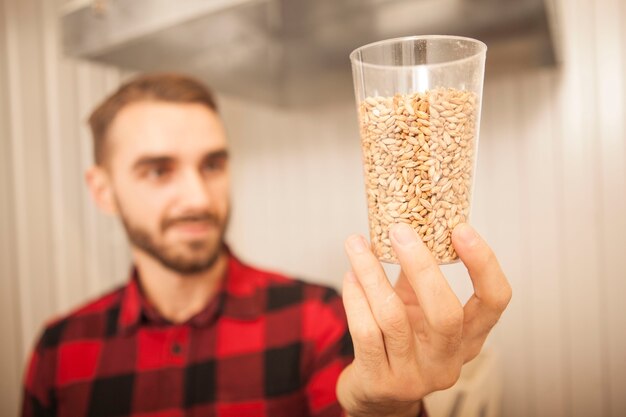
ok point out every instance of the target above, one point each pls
(219, 154)
(152, 160)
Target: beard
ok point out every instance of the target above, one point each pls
(185, 258)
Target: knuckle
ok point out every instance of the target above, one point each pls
(401, 349)
(507, 295)
(447, 378)
(451, 322)
(452, 343)
(472, 353)
(502, 299)
(367, 338)
(394, 327)
(366, 335)
(393, 320)
(396, 331)
(370, 358)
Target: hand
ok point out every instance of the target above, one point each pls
(413, 339)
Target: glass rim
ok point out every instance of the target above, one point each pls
(482, 50)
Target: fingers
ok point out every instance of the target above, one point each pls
(366, 336)
(492, 291)
(385, 305)
(476, 328)
(441, 307)
(405, 291)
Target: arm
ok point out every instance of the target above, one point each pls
(37, 393)
(332, 350)
(413, 339)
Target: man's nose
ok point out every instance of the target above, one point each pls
(193, 191)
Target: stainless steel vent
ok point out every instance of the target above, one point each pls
(293, 52)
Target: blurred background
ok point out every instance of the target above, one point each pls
(550, 191)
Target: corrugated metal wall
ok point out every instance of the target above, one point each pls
(550, 197)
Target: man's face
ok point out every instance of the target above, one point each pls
(167, 165)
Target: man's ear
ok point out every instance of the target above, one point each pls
(101, 189)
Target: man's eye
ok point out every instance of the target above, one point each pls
(157, 172)
(212, 166)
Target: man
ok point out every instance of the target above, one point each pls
(197, 332)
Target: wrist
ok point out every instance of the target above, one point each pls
(414, 409)
(358, 401)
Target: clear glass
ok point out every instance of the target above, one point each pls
(418, 101)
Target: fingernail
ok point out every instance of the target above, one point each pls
(356, 243)
(466, 233)
(404, 234)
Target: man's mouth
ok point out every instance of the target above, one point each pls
(193, 228)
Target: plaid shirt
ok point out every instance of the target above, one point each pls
(266, 345)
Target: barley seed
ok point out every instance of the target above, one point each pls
(418, 158)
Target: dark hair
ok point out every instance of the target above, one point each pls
(172, 87)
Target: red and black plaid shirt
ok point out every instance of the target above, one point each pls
(266, 345)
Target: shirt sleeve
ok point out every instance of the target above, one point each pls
(38, 390)
(334, 352)
(332, 346)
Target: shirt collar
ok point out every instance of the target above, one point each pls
(237, 297)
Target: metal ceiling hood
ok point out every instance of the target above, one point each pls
(292, 52)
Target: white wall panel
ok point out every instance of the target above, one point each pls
(503, 204)
(45, 206)
(543, 239)
(31, 197)
(580, 216)
(609, 63)
(10, 321)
